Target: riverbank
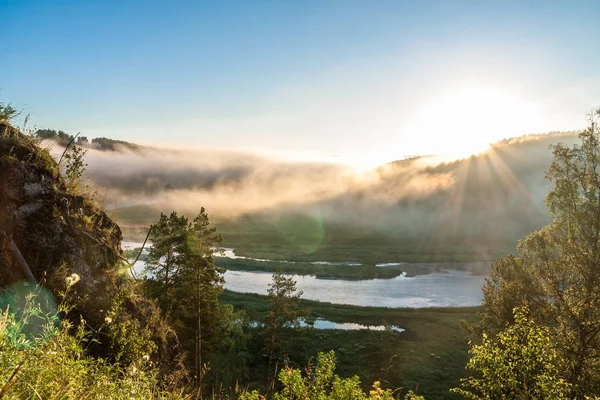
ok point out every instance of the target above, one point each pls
(343, 270)
(322, 270)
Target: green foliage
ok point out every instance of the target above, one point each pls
(556, 270)
(16, 149)
(284, 301)
(53, 364)
(167, 254)
(521, 362)
(125, 347)
(307, 268)
(429, 356)
(182, 276)
(282, 321)
(7, 112)
(75, 165)
(103, 143)
(319, 382)
(60, 137)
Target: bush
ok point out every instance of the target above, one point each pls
(53, 364)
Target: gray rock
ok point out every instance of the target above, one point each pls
(33, 190)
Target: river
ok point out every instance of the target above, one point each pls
(450, 288)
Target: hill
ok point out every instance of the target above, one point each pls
(418, 209)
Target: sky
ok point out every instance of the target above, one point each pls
(364, 82)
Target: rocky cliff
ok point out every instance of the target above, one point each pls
(49, 231)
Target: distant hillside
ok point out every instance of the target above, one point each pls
(418, 209)
(101, 143)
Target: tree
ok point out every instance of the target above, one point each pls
(7, 112)
(75, 165)
(521, 362)
(183, 277)
(282, 321)
(202, 279)
(556, 271)
(167, 255)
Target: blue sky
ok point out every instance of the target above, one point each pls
(351, 81)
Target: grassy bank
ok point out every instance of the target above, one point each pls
(324, 271)
(430, 356)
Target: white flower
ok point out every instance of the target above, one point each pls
(72, 279)
(146, 357)
(108, 320)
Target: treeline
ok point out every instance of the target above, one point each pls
(100, 143)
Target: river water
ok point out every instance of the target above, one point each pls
(450, 288)
(447, 289)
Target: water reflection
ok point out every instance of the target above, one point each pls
(451, 288)
(447, 289)
(348, 326)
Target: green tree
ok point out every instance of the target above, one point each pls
(75, 165)
(202, 279)
(282, 321)
(167, 255)
(183, 277)
(521, 362)
(556, 271)
(7, 112)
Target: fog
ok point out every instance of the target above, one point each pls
(493, 197)
(230, 183)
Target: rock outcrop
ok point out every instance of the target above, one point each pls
(48, 232)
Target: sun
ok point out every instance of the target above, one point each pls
(465, 120)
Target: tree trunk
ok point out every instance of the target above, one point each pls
(20, 260)
(198, 335)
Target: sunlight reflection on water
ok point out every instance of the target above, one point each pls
(451, 288)
(447, 289)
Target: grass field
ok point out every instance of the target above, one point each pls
(303, 239)
(348, 272)
(429, 356)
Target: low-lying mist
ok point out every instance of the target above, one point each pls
(496, 196)
(230, 183)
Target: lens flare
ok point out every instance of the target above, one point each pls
(34, 310)
(302, 233)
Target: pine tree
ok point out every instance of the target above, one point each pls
(167, 255)
(282, 321)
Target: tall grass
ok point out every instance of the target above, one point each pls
(52, 363)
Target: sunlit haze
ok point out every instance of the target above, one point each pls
(344, 82)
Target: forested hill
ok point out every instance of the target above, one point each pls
(417, 209)
(100, 143)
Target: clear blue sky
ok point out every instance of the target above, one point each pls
(347, 80)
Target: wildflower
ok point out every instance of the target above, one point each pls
(108, 320)
(72, 279)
